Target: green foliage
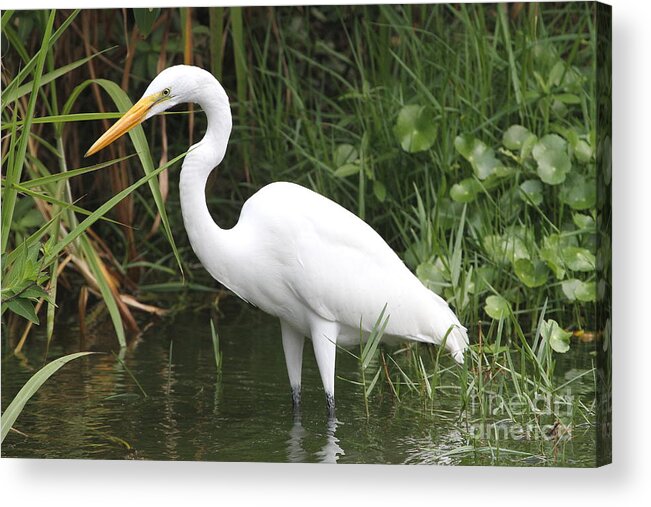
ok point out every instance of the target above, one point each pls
(481, 157)
(415, 128)
(22, 285)
(553, 161)
(558, 338)
(497, 307)
(217, 353)
(145, 19)
(532, 274)
(465, 191)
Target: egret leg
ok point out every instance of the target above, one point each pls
(293, 347)
(324, 340)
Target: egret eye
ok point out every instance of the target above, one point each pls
(166, 92)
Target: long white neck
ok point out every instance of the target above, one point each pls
(214, 246)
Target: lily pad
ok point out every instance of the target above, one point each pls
(497, 307)
(531, 273)
(579, 192)
(553, 161)
(531, 192)
(481, 157)
(556, 336)
(415, 128)
(465, 191)
(579, 259)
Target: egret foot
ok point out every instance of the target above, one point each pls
(330, 404)
(296, 398)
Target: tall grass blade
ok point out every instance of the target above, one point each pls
(14, 172)
(14, 409)
(105, 208)
(216, 16)
(141, 146)
(24, 71)
(215, 346)
(108, 292)
(16, 93)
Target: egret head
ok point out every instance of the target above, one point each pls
(174, 85)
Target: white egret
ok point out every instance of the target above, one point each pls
(295, 254)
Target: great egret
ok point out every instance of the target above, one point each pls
(295, 254)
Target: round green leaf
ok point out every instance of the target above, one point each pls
(497, 307)
(553, 161)
(531, 192)
(552, 252)
(579, 259)
(556, 336)
(481, 157)
(415, 128)
(579, 192)
(465, 191)
(434, 275)
(583, 151)
(583, 221)
(516, 136)
(532, 274)
(586, 292)
(578, 290)
(505, 248)
(345, 154)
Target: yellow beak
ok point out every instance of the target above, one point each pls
(133, 117)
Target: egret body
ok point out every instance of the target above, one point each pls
(295, 254)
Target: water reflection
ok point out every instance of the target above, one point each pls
(97, 407)
(295, 451)
(329, 452)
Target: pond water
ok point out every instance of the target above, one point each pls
(93, 408)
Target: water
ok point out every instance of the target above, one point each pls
(92, 408)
